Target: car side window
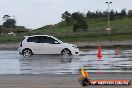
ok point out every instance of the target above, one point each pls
(33, 39)
(45, 39)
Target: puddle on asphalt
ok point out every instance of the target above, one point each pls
(13, 63)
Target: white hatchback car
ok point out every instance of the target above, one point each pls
(45, 44)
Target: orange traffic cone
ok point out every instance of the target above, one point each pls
(99, 53)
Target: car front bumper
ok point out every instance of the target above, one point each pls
(75, 51)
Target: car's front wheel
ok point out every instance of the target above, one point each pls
(66, 52)
(27, 53)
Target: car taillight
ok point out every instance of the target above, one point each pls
(20, 44)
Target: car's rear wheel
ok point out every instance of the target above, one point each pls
(27, 53)
(66, 52)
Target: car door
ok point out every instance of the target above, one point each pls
(33, 44)
(49, 45)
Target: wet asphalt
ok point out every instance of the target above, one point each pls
(13, 63)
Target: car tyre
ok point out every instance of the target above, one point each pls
(66, 52)
(27, 53)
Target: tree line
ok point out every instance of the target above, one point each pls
(78, 20)
(113, 14)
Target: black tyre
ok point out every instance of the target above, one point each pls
(27, 53)
(86, 82)
(66, 52)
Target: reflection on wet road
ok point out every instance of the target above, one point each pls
(13, 63)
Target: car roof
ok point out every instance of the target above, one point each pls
(38, 35)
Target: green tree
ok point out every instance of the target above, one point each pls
(79, 22)
(130, 13)
(81, 25)
(5, 17)
(77, 16)
(89, 14)
(9, 22)
(105, 13)
(123, 12)
(67, 17)
(112, 15)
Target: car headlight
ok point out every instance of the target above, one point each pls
(74, 46)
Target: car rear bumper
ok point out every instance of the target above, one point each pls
(20, 49)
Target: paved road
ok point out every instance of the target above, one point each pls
(57, 81)
(13, 63)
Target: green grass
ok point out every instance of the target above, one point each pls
(88, 38)
(10, 38)
(98, 24)
(121, 30)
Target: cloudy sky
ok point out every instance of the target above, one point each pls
(37, 13)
